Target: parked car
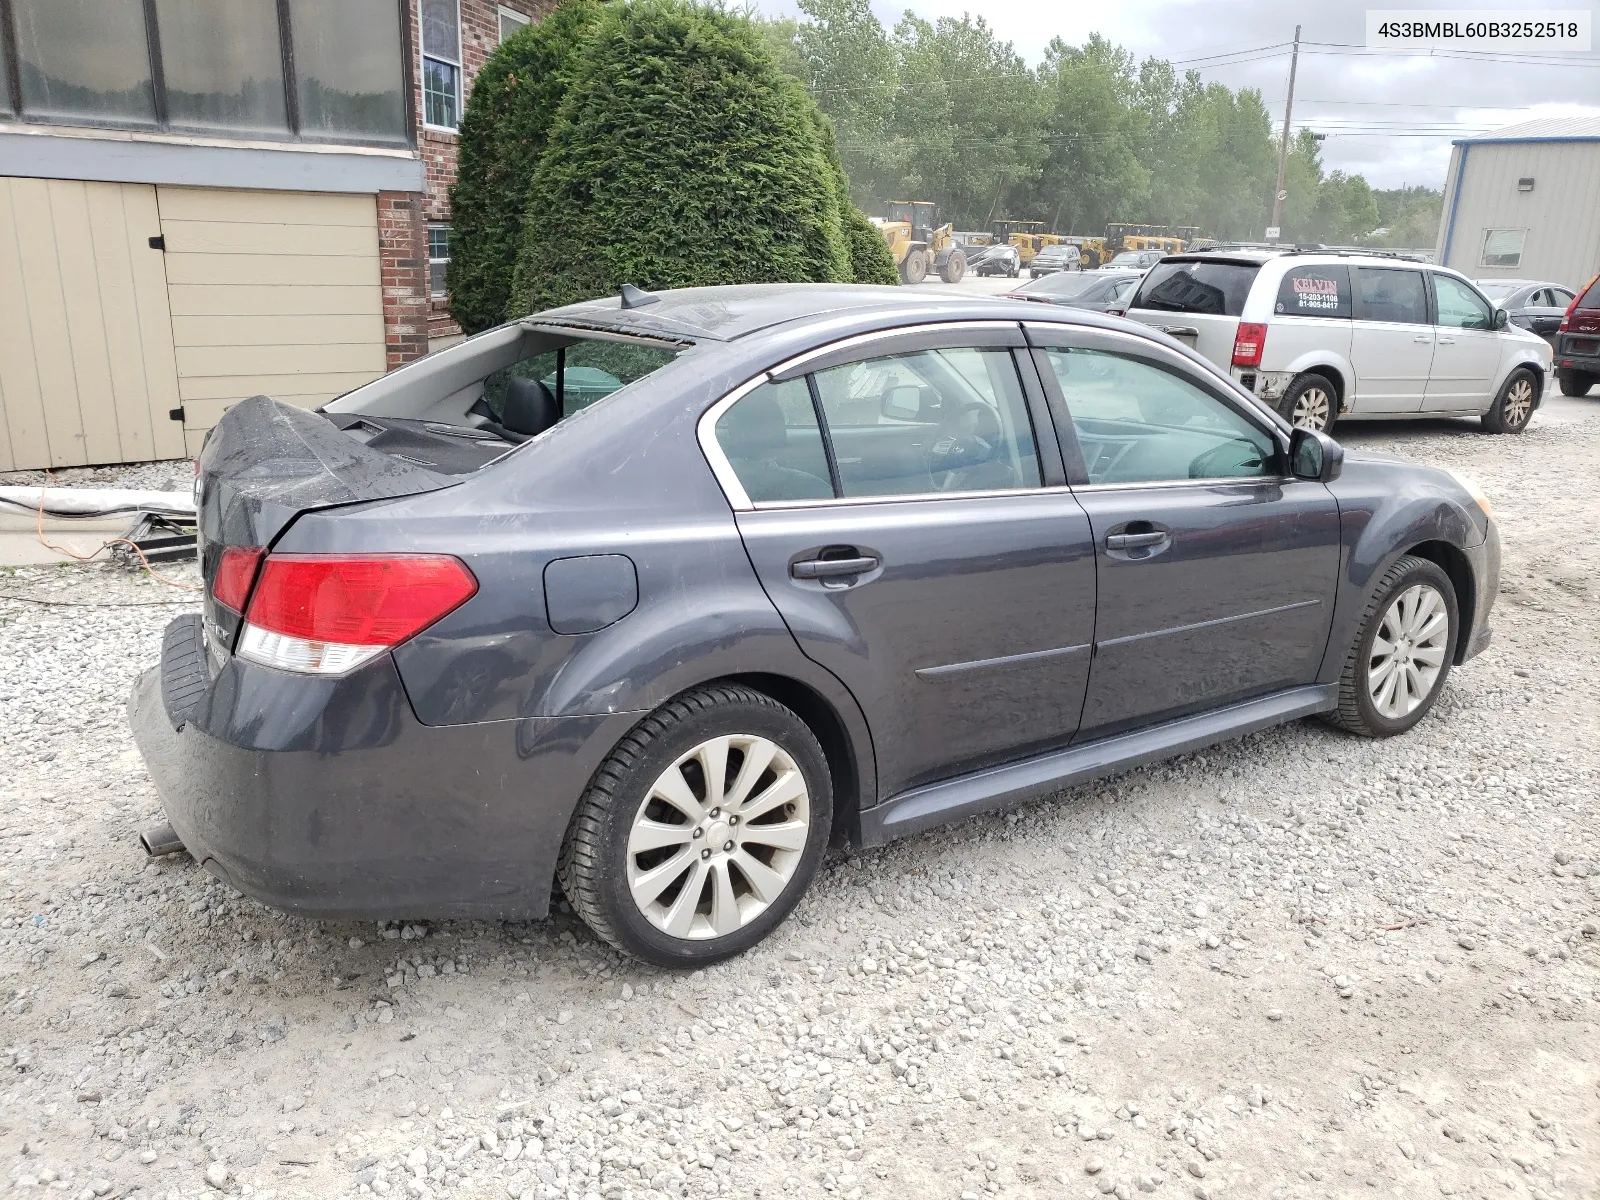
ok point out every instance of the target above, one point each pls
(1324, 334)
(1094, 290)
(1535, 306)
(1059, 256)
(1134, 260)
(830, 560)
(1578, 342)
(994, 259)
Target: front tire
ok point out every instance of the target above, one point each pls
(1513, 407)
(955, 267)
(1575, 383)
(1402, 654)
(1311, 402)
(702, 829)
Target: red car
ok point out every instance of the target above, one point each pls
(1578, 343)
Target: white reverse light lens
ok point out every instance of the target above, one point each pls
(302, 655)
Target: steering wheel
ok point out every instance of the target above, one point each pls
(1234, 457)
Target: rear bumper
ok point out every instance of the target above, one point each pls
(1566, 360)
(330, 799)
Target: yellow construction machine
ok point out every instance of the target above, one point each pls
(919, 243)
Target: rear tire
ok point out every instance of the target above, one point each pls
(1575, 383)
(914, 267)
(1513, 407)
(1401, 657)
(1312, 402)
(657, 861)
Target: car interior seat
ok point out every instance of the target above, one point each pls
(530, 407)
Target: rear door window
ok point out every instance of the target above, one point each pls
(1217, 288)
(1390, 295)
(929, 422)
(772, 441)
(1315, 292)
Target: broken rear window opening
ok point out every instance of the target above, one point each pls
(461, 408)
(1216, 288)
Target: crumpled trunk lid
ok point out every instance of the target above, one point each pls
(267, 462)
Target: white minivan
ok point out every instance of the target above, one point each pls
(1322, 334)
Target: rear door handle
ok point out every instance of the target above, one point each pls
(832, 568)
(1421, 340)
(1133, 541)
(1444, 341)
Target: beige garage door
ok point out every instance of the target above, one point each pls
(86, 359)
(275, 292)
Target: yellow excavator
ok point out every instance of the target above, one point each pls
(919, 243)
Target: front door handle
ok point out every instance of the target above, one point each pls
(1444, 341)
(1134, 541)
(832, 568)
(1422, 340)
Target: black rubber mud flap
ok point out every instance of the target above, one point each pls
(184, 677)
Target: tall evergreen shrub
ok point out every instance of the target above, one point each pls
(681, 157)
(503, 133)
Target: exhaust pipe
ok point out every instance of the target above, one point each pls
(162, 839)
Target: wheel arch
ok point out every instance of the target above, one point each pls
(1329, 370)
(851, 776)
(1453, 562)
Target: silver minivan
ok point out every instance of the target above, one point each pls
(1323, 334)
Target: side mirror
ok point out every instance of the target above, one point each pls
(1314, 455)
(1502, 318)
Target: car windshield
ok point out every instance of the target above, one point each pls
(1071, 283)
(1130, 258)
(1197, 287)
(1591, 298)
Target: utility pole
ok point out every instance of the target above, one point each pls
(1283, 143)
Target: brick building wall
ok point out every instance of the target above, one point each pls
(412, 315)
(480, 34)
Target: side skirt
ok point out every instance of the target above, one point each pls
(1002, 787)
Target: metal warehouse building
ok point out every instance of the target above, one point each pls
(1524, 203)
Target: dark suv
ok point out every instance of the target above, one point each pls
(1578, 343)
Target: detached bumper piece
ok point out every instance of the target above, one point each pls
(184, 676)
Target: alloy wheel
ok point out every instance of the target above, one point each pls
(1312, 409)
(1408, 653)
(718, 837)
(1518, 404)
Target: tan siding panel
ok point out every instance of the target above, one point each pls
(155, 321)
(234, 300)
(22, 436)
(229, 237)
(237, 387)
(271, 269)
(119, 313)
(278, 360)
(265, 208)
(278, 329)
(86, 321)
(52, 348)
(203, 414)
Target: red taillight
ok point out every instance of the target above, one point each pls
(1248, 344)
(357, 600)
(1566, 317)
(235, 573)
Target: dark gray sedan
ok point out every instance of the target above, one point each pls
(1096, 291)
(828, 562)
(1533, 304)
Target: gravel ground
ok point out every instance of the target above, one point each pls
(1297, 965)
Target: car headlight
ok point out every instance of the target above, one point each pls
(1474, 489)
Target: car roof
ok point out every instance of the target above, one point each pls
(729, 313)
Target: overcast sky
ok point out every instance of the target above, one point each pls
(1388, 117)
